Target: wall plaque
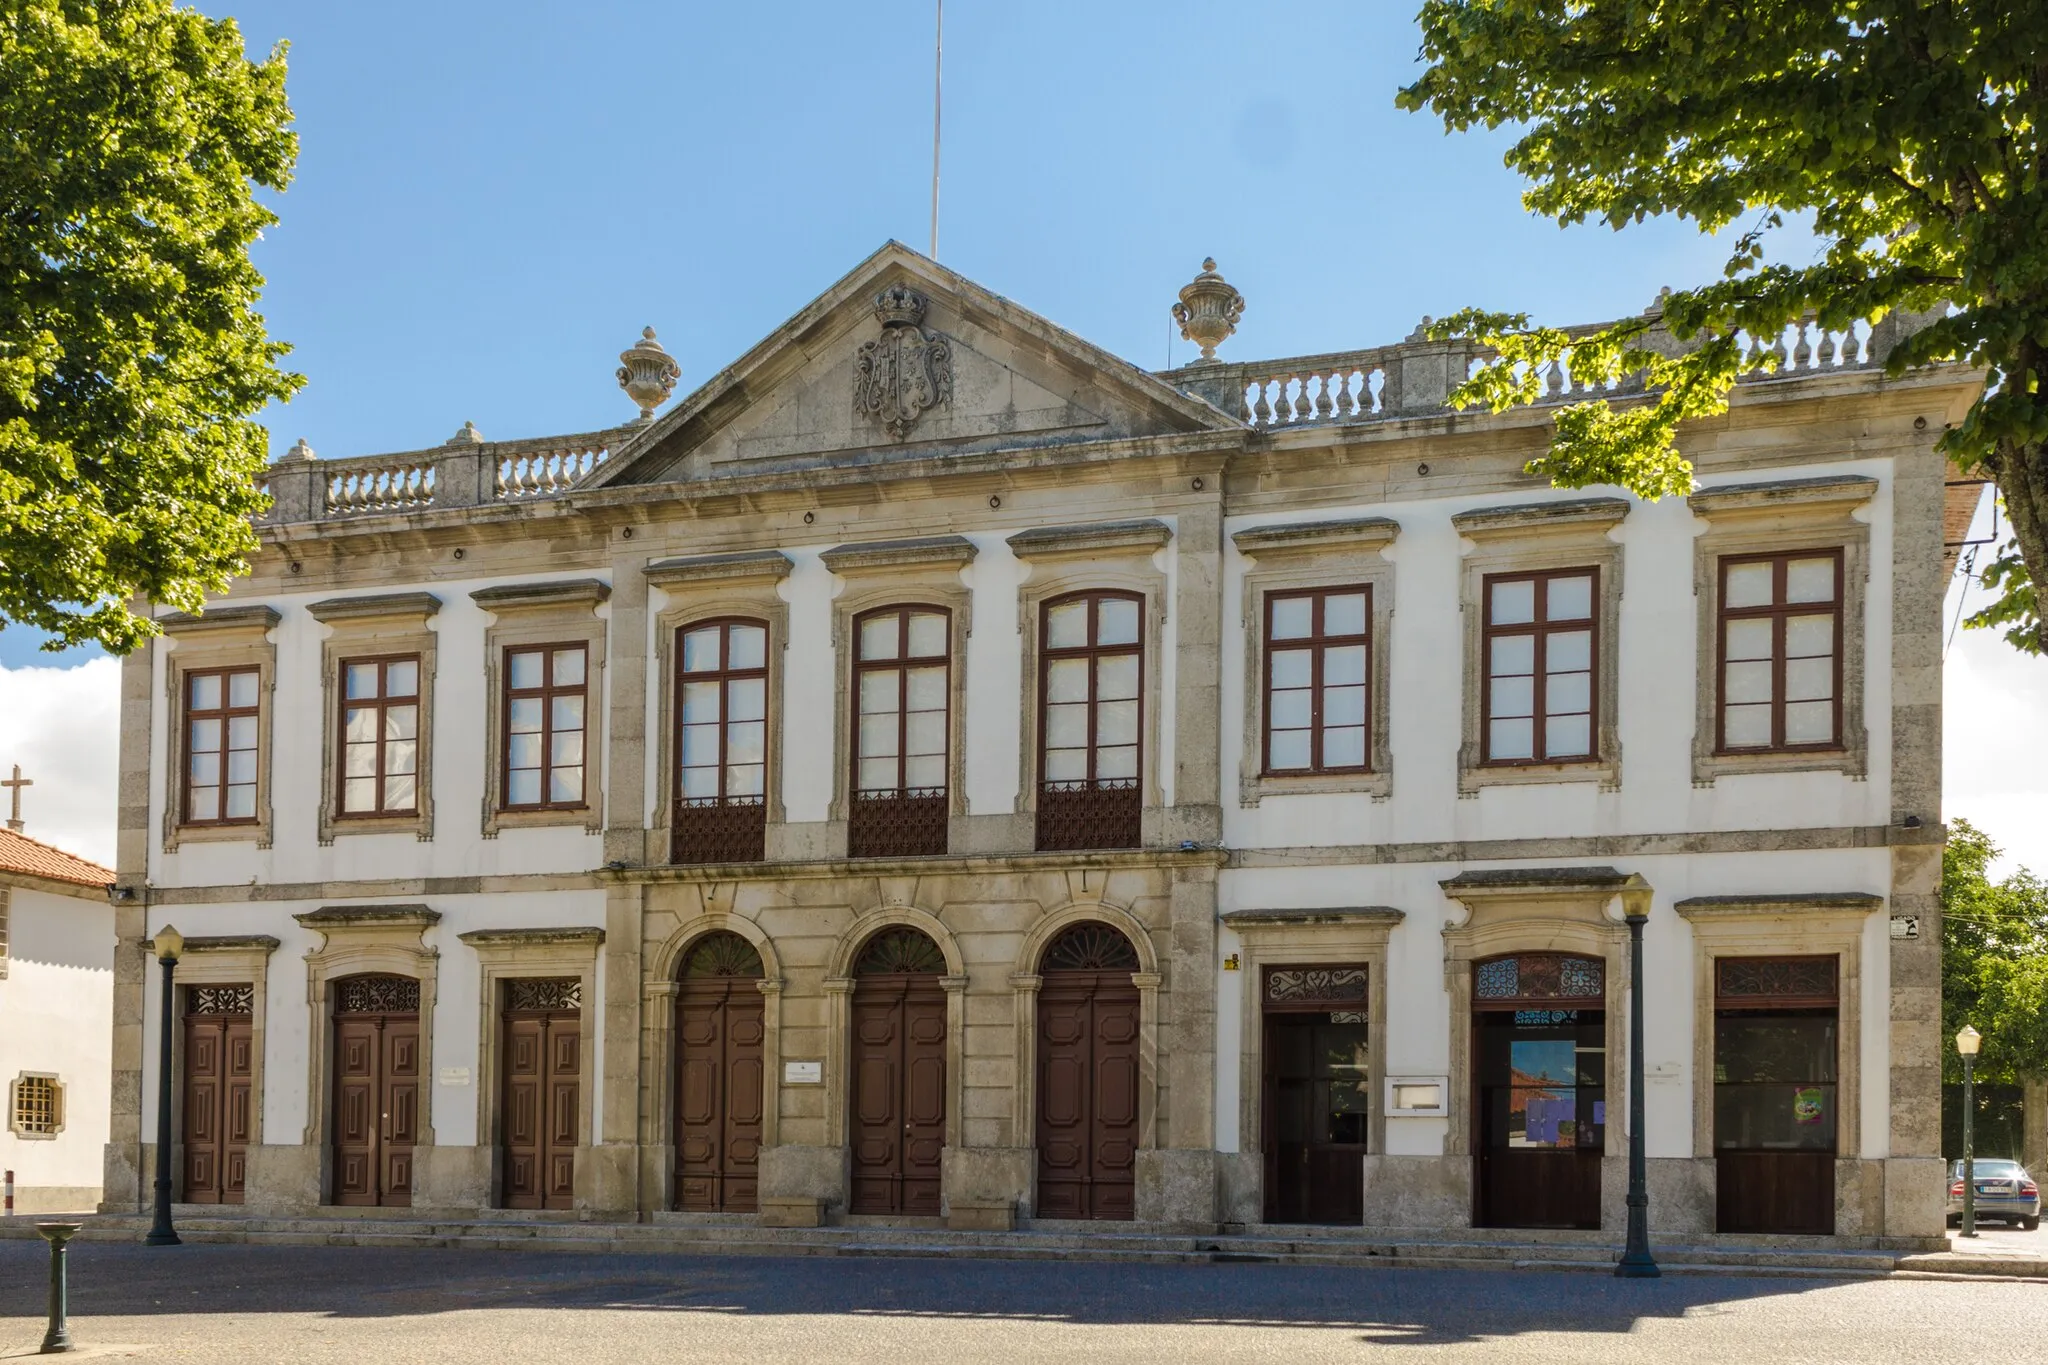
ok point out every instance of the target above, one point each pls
(803, 1073)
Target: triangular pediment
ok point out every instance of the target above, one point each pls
(903, 359)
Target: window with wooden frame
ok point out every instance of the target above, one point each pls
(380, 735)
(221, 742)
(1780, 647)
(1091, 677)
(546, 702)
(902, 688)
(1539, 695)
(721, 810)
(1318, 663)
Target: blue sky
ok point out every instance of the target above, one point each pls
(492, 200)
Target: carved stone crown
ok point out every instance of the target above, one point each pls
(899, 306)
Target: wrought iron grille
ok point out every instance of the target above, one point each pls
(1078, 815)
(220, 1000)
(1540, 976)
(1304, 985)
(731, 829)
(1089, 947)
(897, 951)
(377, 995)
(889, 824)
(722, 954)
(553, 993)
(1776, 980)
(38, 1106)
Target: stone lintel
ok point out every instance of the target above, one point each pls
(1363, 533)
(565, 592)
(1539, 879)
(889, 554)
(1361, 914)
(229, 943)
(336, 916)
(256, 617)
(421, 604)
(1786, 903)
(565, 934)
(1750, 497)
(721, 567)
(1573, 513)
(1148, 534)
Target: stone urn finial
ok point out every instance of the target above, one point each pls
(1208, 310)
(299, 451)
(648, 373)
(468, 436)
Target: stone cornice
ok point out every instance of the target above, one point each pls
(1767, 905)
(1537, 881)
(563, 592)
(255, 618)
(567, 934)
(420, 604)
(1363, 914)
(1364, 533)
(1045, 542)
(890, 554)
(1522, 518)
(230, 943)
(949, 865)
(771, 564)
(342, 916)
(1755, 497)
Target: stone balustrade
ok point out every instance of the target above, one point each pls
(462, 473)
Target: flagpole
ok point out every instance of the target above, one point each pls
(938, 71)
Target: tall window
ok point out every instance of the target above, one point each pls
(380, 727)
(221, 711)
(902, 667)
(545, 699)
(1781, 657)
(722, 728)
(1317, 663)
(1538, 640)
(1091, 672)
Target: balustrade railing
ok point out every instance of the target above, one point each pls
(545, 473)
(356, 487)
(463, 473)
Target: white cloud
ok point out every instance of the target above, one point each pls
(62, 725)
(1994, 741)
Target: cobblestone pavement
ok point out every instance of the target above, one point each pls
(227, 1304)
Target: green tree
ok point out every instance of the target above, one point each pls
(1994, 960)
(133, 134)
(1909, 135)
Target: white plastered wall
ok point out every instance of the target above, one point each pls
(56, 1011)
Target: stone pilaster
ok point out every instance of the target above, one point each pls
(125, 1170)
(1196, 813)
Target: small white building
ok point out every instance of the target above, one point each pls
(56, 1023)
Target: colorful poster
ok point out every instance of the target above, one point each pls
(1808, 1106)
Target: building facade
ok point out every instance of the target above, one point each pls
(938, 769)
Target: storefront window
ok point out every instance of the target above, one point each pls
(1774, 1080)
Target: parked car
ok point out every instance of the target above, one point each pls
(2004, 1191)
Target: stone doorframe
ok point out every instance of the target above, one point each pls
(509, 954)
(222, 960)
(354, 940)
(839, 983)
(1025, 982)
(1273, 938)
(658, 993)
(1537, 910)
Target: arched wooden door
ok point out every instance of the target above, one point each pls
(1087, 1075)
(897, 1109)
(720, 1084)
(377, 1088)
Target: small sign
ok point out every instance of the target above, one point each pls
(455, 1075)
(1417, 1096)
(803, 1073)
(1906, 926)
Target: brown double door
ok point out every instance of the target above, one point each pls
(377, 1090)
(1087, 1094)
(219, 1069)
(542, 1047)
(897, 1113)
(719, 1089)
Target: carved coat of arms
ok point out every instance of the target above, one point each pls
(905, 371)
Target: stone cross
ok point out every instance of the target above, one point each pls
(14, 821)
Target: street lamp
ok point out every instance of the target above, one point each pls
(1967, 1043)
(167, 945)
(1636, 1262)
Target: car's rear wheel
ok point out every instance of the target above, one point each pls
(1955, 1220)
(2030, 1224)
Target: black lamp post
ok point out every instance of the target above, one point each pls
(1967, 1043)
(168, 944)
(1636, 1261)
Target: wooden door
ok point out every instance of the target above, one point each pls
(1542, 1117)
(542, 1061)
(377, 1090)
(898, 1107)
(1087, 1094)
(220, 1066)
(1317, 1089)
(720, 1083)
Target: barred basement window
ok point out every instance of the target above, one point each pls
(37, 1106)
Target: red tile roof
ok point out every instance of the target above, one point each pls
(19, 853)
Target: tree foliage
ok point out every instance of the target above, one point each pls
(1909, 134)
(1994, 960)
(132, 136)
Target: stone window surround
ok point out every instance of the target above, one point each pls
(1537, 910)
(1104, 556)
(1291, 938)
(370, 628)
(909, 573)
(701, 588)
(513, 954)
(1317, 554)
(354, 940)
(1776, 517)
(1530, 537)
(1803, 924)
(57, 1106)
(839, 984)
(223, 960)
(562, 612)
(223, 638)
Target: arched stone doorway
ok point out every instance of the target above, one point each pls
(377, 1089)
(896, 1110)
(720, 1074)
(1088, 1074)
